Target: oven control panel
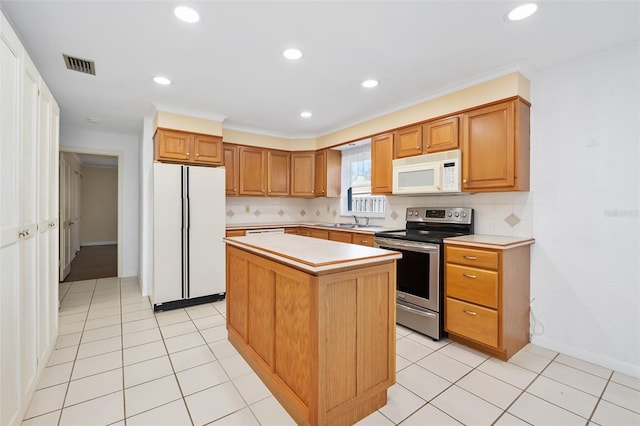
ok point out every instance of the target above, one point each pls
(440, 214)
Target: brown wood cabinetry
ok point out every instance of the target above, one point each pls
(440, 135)
(188, 148)
(303, 165)
(230, 160)
(408, 141)
(381, 163)
(253, 169)
(328, 167)
(343, 237)
(324, 345)
(263, 172)
(496, 147)
(487, 297)
(235, 233)
(278, 165)
(362, 239)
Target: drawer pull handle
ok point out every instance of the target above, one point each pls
(470, 276)
(470, 257)
(469, 312)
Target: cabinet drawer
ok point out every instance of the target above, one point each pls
(472, 321)
(235, 233)
(474, 285)
(362, 239)
(472, 257)
(344, 237)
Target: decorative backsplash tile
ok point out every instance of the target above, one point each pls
(394, 215)
(318, 213)
(281, 213)
(230, 213)
(512, 220)
(257, 213)
(302, 213)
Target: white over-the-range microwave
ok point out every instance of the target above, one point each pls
(438, 173)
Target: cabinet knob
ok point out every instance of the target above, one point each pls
(187, 153)
(464, 181)
(197, 155)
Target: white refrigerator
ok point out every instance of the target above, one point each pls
(188, 228)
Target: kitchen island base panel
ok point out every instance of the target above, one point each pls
(330, 356)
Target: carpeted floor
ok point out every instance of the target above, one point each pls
(94, 262)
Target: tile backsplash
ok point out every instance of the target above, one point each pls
(503, 213)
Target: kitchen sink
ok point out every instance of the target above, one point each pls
(341, 225)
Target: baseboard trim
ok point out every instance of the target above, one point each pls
(99, 243)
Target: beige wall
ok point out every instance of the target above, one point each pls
(513, 84)
(99, 205)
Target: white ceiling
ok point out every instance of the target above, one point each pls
(229, 65)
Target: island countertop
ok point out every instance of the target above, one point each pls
(312, 255)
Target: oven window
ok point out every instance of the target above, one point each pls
(412, 275)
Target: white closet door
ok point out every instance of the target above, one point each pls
(29, 218)
(54, 202)
(167, 233)
(44, 176)
(207, 250)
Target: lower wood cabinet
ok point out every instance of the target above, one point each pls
(324, 345)
(487, 297)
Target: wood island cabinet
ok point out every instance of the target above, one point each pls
(440, 135)
(381, 163)
(487, 297)
(188, 148)
(495, 147)
(407, 142)
(232, 168)
(328, 168)
(323, 343)
(303, 165)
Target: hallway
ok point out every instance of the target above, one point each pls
(94, 262)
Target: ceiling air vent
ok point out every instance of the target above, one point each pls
(81, 65)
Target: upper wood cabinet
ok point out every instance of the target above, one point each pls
(440, 135)
(253, 168)
(230, 160)
(185, 147)
(328, 168)
(495, 149)
(278, 165)
(263, 172)
(381, 163)
(407, 142)
(303, 174)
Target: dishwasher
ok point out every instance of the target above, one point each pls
(272, 231)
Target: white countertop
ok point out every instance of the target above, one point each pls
(312, 254)
(490, 241)
(323, 225)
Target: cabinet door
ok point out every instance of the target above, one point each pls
(232, 171)
(253, 165)
(172, 145)
(440, 135)
(328, 173)
(488, 161)
(278, 173)
(408, 142)
(207, 149)
(344, 237)
(321, 173)
(303, 174)
(381, 163)
(318, 233)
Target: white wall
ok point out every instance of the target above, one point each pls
(99, 205)
(584, 177)
(126, 148)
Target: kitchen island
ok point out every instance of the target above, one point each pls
(315, 319)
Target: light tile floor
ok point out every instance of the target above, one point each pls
(116, 362)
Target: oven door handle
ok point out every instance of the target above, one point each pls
(421, 247)
(416, 311)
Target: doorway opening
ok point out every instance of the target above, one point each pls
(90, 216)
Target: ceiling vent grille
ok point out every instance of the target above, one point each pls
(81, 65)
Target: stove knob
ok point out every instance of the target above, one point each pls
(450, 214)
(456, 214)
(464, 214)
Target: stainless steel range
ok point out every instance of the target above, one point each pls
(420, 272)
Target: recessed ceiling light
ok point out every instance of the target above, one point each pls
(93, 120)
(292, 54)
(162, 80)
(369, 83)
(305, 114)
(186, 14)
(522, 12)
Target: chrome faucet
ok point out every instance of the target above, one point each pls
(366, 223)
(355, 218)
